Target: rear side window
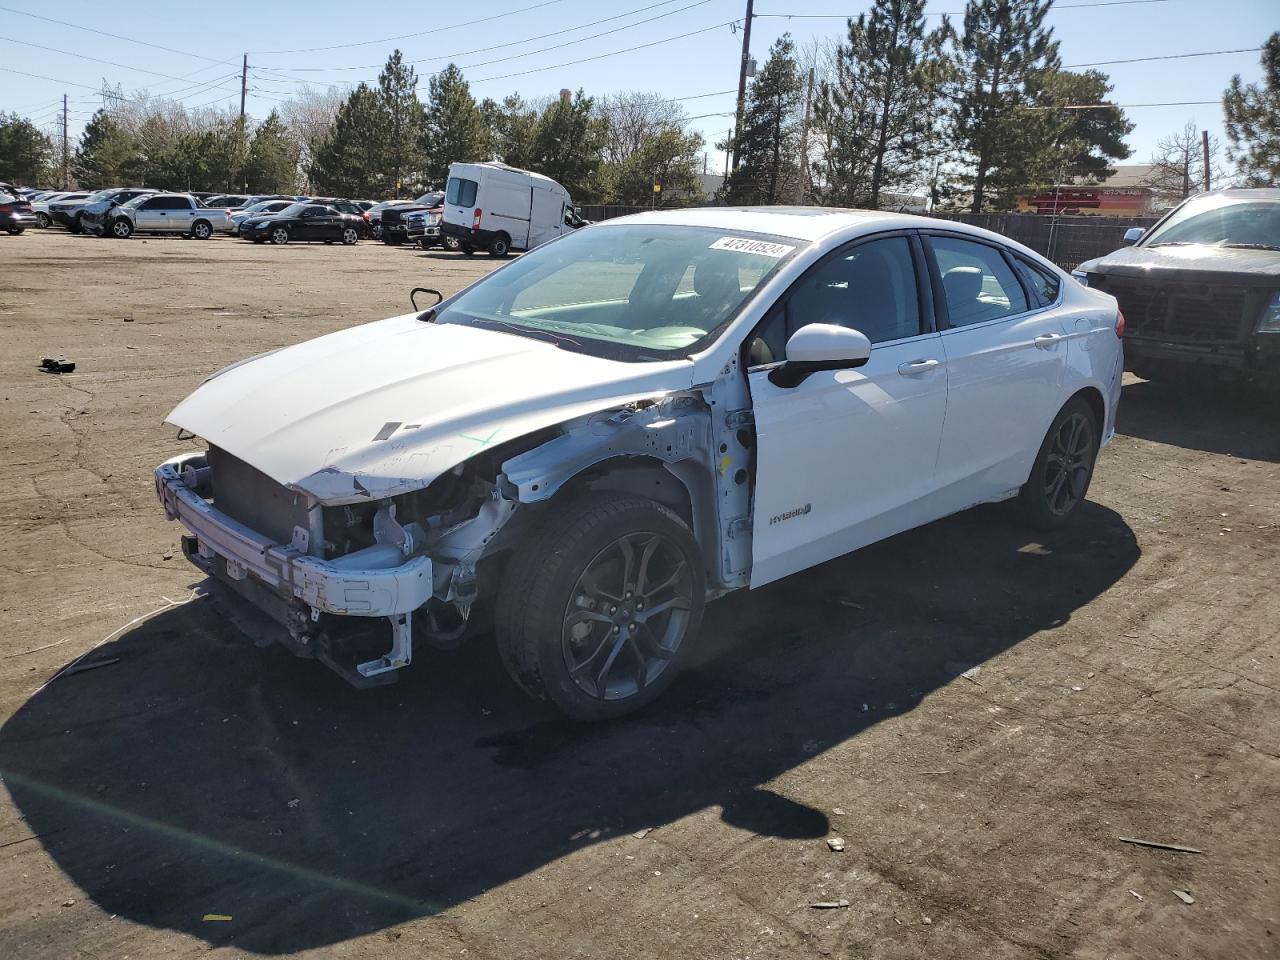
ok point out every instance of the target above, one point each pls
(461, 192)
(1039, 281)
(978, 283)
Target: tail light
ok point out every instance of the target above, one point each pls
(6, 208)
(475, 221)
(1119, 324)
(365, 216)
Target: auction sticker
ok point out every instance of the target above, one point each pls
(743, 245)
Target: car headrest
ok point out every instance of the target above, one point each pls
(962, 285)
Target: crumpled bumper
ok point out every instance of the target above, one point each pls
(345, 587)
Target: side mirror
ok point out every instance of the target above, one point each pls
(1132, 236)
(820, 346)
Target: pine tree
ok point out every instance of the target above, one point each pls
(768, 144)
(999, 64)
(272, 163)
(1253, 120)
(26, 154)
(1080, 144)
(514, 129)
(568, 143)
(398, 87)
(878, 113)
(104, 153)
(455, 130)
(350, 160)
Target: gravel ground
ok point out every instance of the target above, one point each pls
(980, 714)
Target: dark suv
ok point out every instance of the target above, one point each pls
(1200, 291)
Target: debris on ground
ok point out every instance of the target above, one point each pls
(642, 833)
(837, 811)
(69, 902)
(217, 916)
(836, 844)
(1137, 896)
(972, 673)
(1160, 846)
(293, 803)
(57, 365)
(1184, 896)
(829, 904)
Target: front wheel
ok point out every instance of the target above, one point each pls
(1063, 468)
(349, 236)
(121, 229)
(599, 610)
(16, 231)
(202, 230)
(452, 243)
(280, 236)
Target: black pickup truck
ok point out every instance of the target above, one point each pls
(1200, 291)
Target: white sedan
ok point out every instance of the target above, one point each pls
(598, 438)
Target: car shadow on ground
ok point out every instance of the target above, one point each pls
(201, 775)
(1225, 418)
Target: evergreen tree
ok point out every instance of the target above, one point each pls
(767, 147)
(26, 154)
(999, 66)
(567, 145)
(272, 163)
(1081, 144)
(1253, 120)
(878, 113)
(104, 153)
(667, 156)
(350, 160)
(455, 130)
(514, 130)
(398, 87)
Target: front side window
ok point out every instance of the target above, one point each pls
(628, 292)
(461, 192)
(174, 203)
(978, 283)
(869, 287)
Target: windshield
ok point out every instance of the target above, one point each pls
(1222, 220)
(294, 210)
(103, 194)
(138, 200)
(627, 292)
(432, 198)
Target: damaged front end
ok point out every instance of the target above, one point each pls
(333, 578)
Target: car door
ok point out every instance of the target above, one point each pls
(1006, 357)
(148, 217)
(847, 457)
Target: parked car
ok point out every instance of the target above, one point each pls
(166, 213)
(601, 436)
(41, 207)
(96, 213)
(65, 210)
(394, 225)
(1200, 290)
(423, 226)
(225, 201)
(15, 212)
(374, 213)
(259, 209)
(303, 222)
(351, 207)
(494, 207)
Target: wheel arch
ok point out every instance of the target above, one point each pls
(1097, 403)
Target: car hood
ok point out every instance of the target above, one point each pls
(1204, 263)
(386, 407)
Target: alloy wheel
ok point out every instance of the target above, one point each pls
(627, 616)
(1068, 464)
(279, 235)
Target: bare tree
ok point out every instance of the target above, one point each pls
(1178, 165)
(634, 118)
(309, 114)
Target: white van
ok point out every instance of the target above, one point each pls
(494, 207)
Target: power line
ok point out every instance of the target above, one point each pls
(114, 36)
(611, 53)
(1130, 106)
(408, 36)
(956, 13)
(1167, 56)
(82, 56)
(510, 43)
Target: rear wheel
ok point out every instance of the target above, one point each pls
(1063, 468)
(350, 236)
(43, 220)
(280, 236)
(14, 231)
(76, 226)
(202, 229)
(500, 246)
(121, 229)
(598, 611)
(452, 243)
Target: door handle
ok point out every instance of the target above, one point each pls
(918, 366)
(1047, 340)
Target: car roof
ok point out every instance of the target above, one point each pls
(1245, 193)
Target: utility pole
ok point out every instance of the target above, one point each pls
(742, 79)
(804, 142)
(1204, 149)
(244, 84)
(66, 148)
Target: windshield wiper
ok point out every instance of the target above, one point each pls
(1251, 246)
(1171, 243)
(556, 338)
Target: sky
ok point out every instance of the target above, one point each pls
(688, 48)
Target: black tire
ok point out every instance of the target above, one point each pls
(75, 226)
(500, 246)
(1063, 467)
(452, 243)
(468, 249)
(121, 228)
(202, 230)
(43, 220)
(16, 231)
(544, 589)
(280, 236)
(349, 236)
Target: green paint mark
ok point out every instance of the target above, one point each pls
(483, 442)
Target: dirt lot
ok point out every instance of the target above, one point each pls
(1127, 688)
